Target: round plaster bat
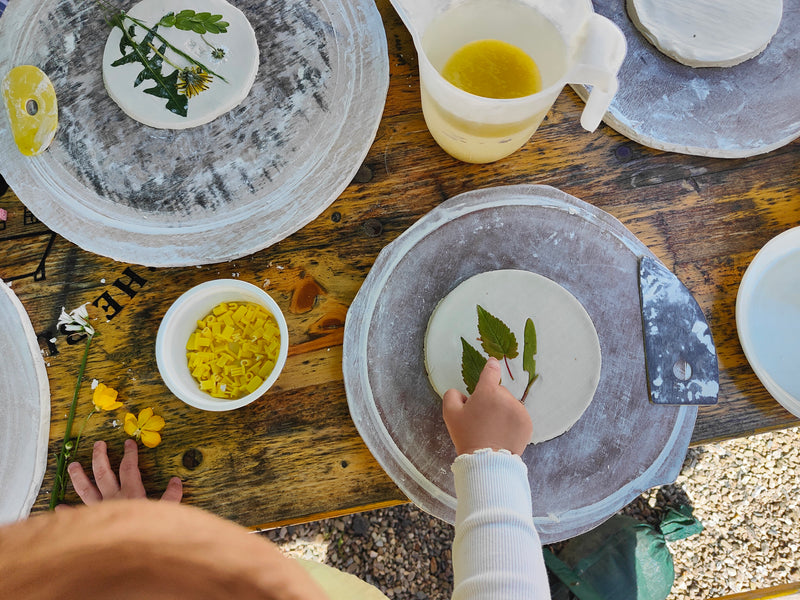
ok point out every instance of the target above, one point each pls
(568, 351)
(707, 33)
(238, 66)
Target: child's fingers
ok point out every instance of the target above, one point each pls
(83, 485)
(130, 477)
(104, 477)
(452, 402)
(174, 491)
(491, 375)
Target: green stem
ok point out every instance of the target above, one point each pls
(528, 388)
(60, 483)
(80, 433)
(209, 44)
(168, 61)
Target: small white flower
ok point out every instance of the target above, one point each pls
(76, 320)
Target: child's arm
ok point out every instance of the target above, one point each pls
(496, 551)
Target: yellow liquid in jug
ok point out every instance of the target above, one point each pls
(493, 69)
(526, 36)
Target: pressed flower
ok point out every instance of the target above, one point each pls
(105, 398)
(75, 320)
(145, 427)
(192, 81)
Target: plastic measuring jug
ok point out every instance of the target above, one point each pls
(569, 42)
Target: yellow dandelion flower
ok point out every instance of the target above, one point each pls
(105, 398)
(145, 427)
(192, 81)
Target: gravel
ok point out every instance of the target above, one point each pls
(744, 491)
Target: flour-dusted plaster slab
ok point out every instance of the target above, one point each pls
(215, 192)
(24, 410)
(621, 446)
(739, 111)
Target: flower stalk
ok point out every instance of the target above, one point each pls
(69, 446)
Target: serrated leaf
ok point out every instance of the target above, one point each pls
(176, 103)
(472, 363)
(528, 354)
(496, 338)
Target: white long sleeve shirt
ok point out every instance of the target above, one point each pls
(497, 554)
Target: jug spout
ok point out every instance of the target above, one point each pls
(602, 51)
(417, 15)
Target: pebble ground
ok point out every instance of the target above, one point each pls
(746, 492)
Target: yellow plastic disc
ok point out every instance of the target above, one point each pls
(32, 108)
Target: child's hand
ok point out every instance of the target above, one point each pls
(490, 418)
(108, 488)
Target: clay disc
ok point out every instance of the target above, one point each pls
(568, 351)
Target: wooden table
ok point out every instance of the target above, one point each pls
(295, 454)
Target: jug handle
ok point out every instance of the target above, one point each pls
(603, 51)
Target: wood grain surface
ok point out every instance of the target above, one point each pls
(295, 454)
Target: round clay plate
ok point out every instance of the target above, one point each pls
(733, 112)
(238, 67)
(24, 410)
(768, 317)
(620, 446)
(567, 356)
(215, 192)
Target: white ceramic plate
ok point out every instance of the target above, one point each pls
(768, 317)
(24, 410)
(218, 191)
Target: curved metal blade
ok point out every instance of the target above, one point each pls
(680, 355)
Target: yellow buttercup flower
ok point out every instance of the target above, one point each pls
(105, 398)
(145, 427)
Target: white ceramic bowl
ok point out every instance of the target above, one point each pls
(768, 317)
(181, 320)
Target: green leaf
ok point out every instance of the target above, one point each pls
(529, 349)
(168, 20)
(189, 20)
(164, 87)
(176, 103)
(496, 338)
(472, 363)
(528, 353)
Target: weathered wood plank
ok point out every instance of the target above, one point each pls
(295, 454)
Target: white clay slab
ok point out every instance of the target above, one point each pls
(238, 67)
(568, 356)
(707, 33)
